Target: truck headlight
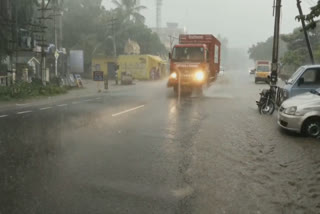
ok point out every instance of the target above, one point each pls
(173, 75)
(199, 75)
(291, 110)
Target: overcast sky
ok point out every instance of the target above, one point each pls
(243, 22)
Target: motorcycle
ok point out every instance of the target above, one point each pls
(266, 104)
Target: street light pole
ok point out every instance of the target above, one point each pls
(43, 59)
(275, 51)
(55, 36)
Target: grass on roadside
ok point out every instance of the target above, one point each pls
(23, 90)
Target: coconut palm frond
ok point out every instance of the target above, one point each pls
(117, 3)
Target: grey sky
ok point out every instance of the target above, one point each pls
(243, 22)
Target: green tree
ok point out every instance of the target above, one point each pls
(129, 10)
(81, 26)
(263, 50)
(297, 53)
(310, 18)
(20, 14)
(87, 26)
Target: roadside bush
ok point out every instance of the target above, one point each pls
(22, 90)
(56, 81)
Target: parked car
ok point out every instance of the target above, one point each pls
(303, 80)
(301, 114)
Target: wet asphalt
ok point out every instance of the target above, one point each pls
(138, 150)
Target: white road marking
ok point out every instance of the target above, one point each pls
(2, 116)
(127, 111)
(62, 105)
(24, 104)
(98, 98)
(45, 108)
(87, 100)
(24, 112)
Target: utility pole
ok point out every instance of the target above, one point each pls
(60, 27)
(55, 37)
(275, 51)
(16, 28)
(43, 57)
(112, 23)
(43, 9)
(305, 31)
(56, 9)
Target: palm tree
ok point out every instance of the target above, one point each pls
(130, 10)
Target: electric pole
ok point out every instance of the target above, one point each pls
(42, 18)
(305, 31)
(112, 24)
(275, 51)
(43, 54)
(56, 9)
(55, 37)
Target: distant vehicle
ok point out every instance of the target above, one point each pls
(252, 71)
(126, 78)
(221, 72)
(262, 70)
(301, 114)
(196, 59)
(303, 80)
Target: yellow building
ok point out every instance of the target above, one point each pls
(106, 64)
(142, 67)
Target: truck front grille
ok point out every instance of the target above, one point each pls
(186, 76)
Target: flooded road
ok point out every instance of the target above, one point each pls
(137, 150)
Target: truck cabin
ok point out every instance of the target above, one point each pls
(190, 53)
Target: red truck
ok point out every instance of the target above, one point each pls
(195, 62)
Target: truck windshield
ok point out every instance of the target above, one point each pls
(193, 54)
(263, 68)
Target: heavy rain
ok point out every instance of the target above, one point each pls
(140, 106)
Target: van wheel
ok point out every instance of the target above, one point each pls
(311, 127)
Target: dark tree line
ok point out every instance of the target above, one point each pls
(86, 25)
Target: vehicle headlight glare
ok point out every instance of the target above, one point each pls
(291, 110)
(173, 75)
(199, 75)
